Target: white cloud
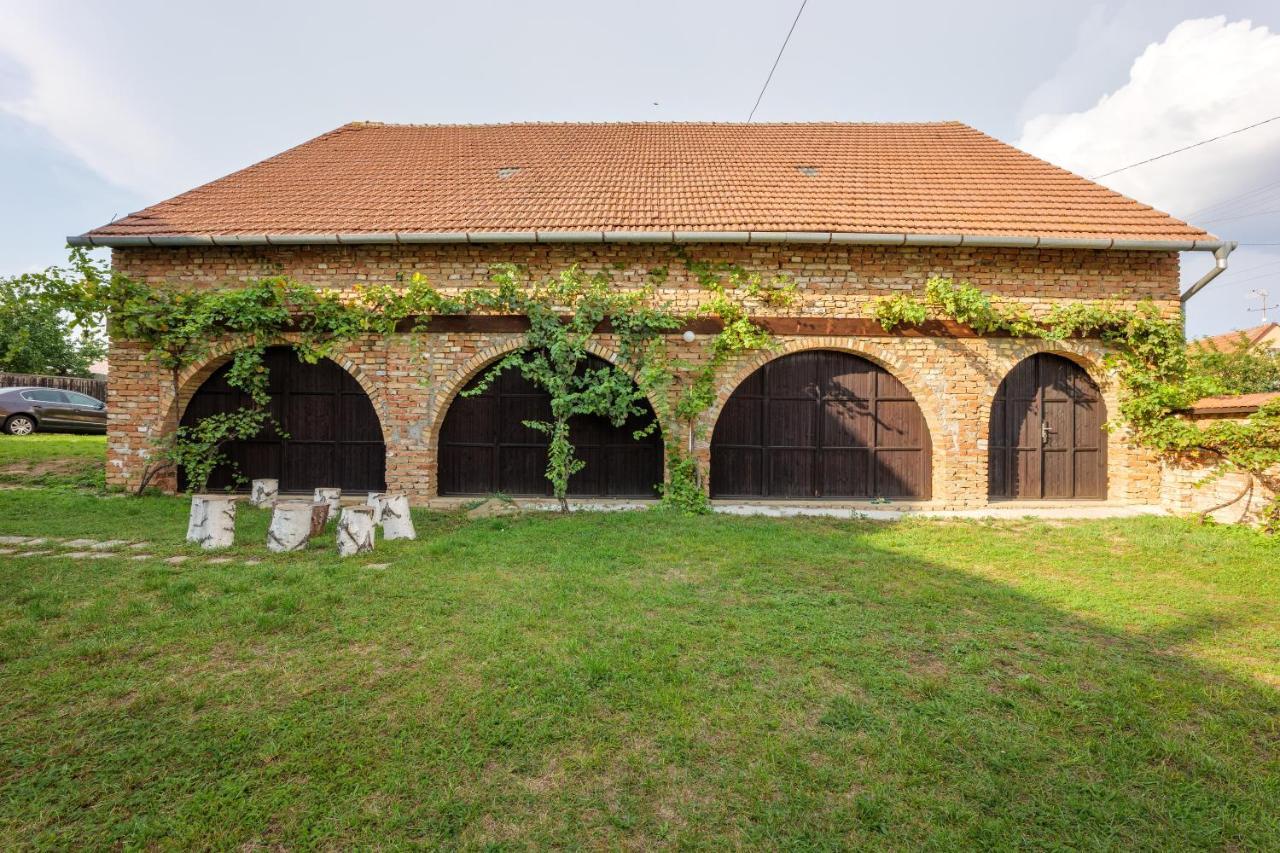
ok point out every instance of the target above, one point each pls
(1207, 77)
(51, 85)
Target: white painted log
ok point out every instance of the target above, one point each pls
(397, 523)
(377, 500)
(212, 523)
(290, 526)
(262, 493)
(319, 517)
(355, 531)
(333, 497)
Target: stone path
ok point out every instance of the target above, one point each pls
(84, 549)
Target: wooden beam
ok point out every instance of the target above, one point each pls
(853, 327)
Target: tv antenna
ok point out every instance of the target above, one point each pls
(1262, 295)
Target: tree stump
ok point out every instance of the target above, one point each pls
(397, 523)
(263, 493)
(319, 517)
(333, 497)
(212, 523)
(290, 526)
(355, 531)
(378, 501)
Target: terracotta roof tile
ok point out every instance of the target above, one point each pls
(944, 178)
(1237, 404)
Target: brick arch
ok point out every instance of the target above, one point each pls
(1087, 355)
(473, 366)
(870, 349)
(192, 377)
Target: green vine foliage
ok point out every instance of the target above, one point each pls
(564, 314)
(180, 326)
(1148, 353)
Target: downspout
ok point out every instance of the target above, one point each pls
(1220, 263)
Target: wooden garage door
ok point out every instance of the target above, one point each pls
(486, 448)
(821, 424)
(333, 434)
(1046, 437)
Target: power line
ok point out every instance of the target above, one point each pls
(776, 59)
(1186, 148)
(1266, 189)
(1239, 216)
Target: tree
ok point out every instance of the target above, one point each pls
(37, 337)
(1240, 368)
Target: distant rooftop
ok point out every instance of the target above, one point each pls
(1249, 337)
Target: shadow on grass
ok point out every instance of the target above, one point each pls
(635, 680)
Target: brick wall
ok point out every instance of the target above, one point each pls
(412, 378)
(1189, 486)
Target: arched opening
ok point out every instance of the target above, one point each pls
(330, 436)
(486, 448)
(821, 424)
(1046, 439)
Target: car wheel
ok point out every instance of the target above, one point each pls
(20, 425)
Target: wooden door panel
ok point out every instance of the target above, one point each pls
(1057, 430)
(845, 472)
(900, 424)
(471, 472)
(617, 463)
(847, 423)
(791, 473)
(521, 471)
(330, 432)
(791, 424)
(1090, 480)
(1046, 438)
(899, 474)
(821, 424)
(739, 472)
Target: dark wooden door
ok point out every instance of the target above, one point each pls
(486, 448)
(332, 436)
(1046, 438)
(821, 424)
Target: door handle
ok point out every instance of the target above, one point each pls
(1045, 432)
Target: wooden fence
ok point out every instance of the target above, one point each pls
(93, 387)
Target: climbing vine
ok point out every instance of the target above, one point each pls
(179, 327)
(1149, 356)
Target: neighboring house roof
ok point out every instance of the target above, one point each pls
(625, 181)
(1268, 333)
(1239, 404)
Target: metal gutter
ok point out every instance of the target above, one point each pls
(1221, 248)
(1220, 255)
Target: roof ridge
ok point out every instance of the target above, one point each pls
(362, 124)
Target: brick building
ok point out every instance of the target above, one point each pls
(841, 410)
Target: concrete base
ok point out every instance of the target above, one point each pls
(843, 509)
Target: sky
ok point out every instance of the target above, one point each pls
(106, 108)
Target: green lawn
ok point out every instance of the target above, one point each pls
(641, 680)
(50, 459)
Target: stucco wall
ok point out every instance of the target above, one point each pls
(412, 378)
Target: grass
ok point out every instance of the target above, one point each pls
(52, 459)
(641, 680)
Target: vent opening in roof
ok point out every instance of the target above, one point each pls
(808, 171)
(507, 172)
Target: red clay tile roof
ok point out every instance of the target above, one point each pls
(1238, 404)
(1230, 340)
(920, 179)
